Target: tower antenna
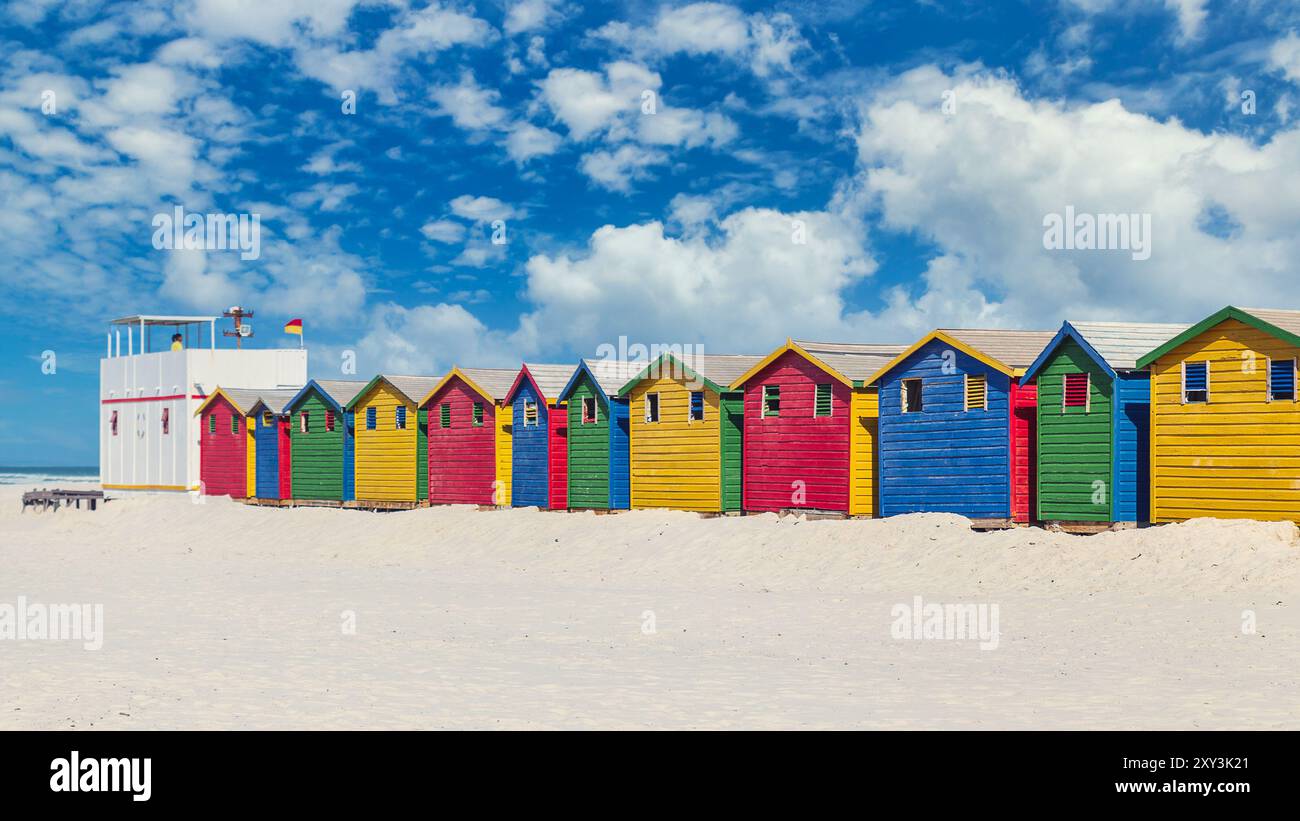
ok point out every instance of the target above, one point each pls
(241, 330)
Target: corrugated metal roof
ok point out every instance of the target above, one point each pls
(496, 381)
(1121, 344)
(613, 374)
(342, 391)
(721, 369)
(854, 361)
(1288, 321)
(244, 398)
(550, 379)
(414, 388)
(1015, 349)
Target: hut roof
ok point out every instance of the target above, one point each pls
(717, 371)
(411, 387)
(1010, 352)
(244, 399)
(1115, 346)
(550, 379)
(276, 401)
(610, 375)
(1283, 324)
(490, 383)
(851, 363)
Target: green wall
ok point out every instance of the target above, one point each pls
(588, 450)
(316, 459)
(1074, 444)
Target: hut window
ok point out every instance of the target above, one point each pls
(652, 407)
(167, 421)
(302, 422)
(822, 400)
(588, 409)
(912, 401)
(697, 406)
(1075, 390)
(478, 414)
(1281, 379)
(530, 413)
(329, 420)
(212, 423)
(371, 421)
(112, 422)
(234, 423)
(444, 415)
(1196, 382)
(399, 418)
(977, 392)
(771, 400)
(267, 421)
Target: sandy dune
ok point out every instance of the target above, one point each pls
(219, 615)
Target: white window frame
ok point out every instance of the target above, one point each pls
(1268, 380)
(1182, 395)
(816, 386)
(657, 409)
(531, 405)
(902, 390)
(690, 401)
(1087, 391)
(594, 418)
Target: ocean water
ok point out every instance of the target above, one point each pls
(22, 475)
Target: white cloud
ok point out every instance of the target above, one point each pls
(447, 232)
(430, 339)
(979, 183)
(529, 15)
(527, 141)
(469, 105)
(686, 127)
(742, 291)
(765, 42)
(588, 102)
(483, 209)
(616, 170)
(1284, 55)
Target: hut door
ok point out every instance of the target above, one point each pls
(732, 407)
(871, 431)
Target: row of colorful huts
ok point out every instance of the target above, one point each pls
(1096, 422)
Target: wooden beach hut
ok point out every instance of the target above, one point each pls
(598, 434)
(469, 437)
(1225, 424)
(322, 440)
(809, 436)
(957, 425)
(686, 432)
(226, 449)
(391, 450)
(539, 443)
(270, 421)
(1094, 408)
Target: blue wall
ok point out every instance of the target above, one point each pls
(528, 465)
(945, 459)
(349, 455)
(620, 486)
(1132, 448)
(268, 458)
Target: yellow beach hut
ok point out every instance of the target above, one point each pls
(1225, 424)
(686, 431)
(391, 460)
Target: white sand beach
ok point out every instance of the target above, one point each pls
(219, 615)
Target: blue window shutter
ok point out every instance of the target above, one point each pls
(370, 418)
(1281, 379)
(400, 417)
(1194, 376)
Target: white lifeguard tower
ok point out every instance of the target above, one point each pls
(148, 393)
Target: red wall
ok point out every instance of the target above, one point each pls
(795, 446)
(222, 464)
(462, 458)
(557, 431)
(285, 456)
(1024, 482)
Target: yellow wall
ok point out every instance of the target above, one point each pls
(250, 458)
(505, 418)
(675, 463)
(1237, 456)
(385, 456)
(862, 452)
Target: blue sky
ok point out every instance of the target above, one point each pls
(651, 165)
